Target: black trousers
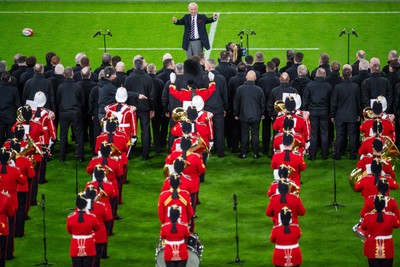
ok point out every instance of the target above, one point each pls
(67, 119)
(319, 125)
(5, 131)
(341, 138)
(10, 238)
(219, 133)
(380, 262)
(96, 132)
(20, 216)
(82, 261)
(255, 138)
(175, 263)
(99, 253)
(34, 185)
(3, 250)
(266, 134)
(144, 118)
(159, 125)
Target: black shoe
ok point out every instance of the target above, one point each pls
(256, 156)
(117, 217)
(242, 156)
(43, 182)
(34, 203)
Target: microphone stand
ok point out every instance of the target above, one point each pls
(101, 32)
(248, 32)
(348, 31)
(237, 260)
(334, 204)
(45, 261)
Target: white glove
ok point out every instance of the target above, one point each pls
(211, 145)
(172, 77)
(211, 76)
(307, 144)
(133, 140)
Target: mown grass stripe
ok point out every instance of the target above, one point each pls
(224, 13)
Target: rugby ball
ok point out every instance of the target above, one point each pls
(27, 32)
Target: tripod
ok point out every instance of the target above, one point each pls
(334, 204)
(100, 32)
(45, 261)
(237, 260)
(348, 31)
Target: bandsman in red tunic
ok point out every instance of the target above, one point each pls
(379, 225)
(286, 237)
(367, 184)
(25, 165)
(175, 235)
(6, 211)
(299, 143)
(284, 198)
(125, 114)
(367, 144)
(282, 173)
(175, 197)
(103, 215)
(81, 224)
(290, 158)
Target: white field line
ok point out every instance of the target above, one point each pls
(219, 49)
(213, 30)
(225, 13)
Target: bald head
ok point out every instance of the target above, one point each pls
(120, 67)
(251, 76)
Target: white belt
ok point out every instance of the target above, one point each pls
(383, 237)
(172, 243)
(287, 246)
(82, 236)
(124, 125)
(45, 128)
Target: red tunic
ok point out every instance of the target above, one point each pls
(120, 141)
(82, 242)
(35, 131)
(300, 126)
(367, 160)
(186, 184)
(367, 187)
(287, 251)
(202, 130)
(298, 142)
(275, 206)
(194, 168)
(166, 201)
(25, 165)
(113, 169)
(390, 206)
(206, 118)
(379, 242)
(46, 119)
(175, 245)
(109, 191)
(186, 95)
(6, 210)
(366, 145)
(9, 182)
(387, 130)
(296, 162)
(99, 209)
(126, 118)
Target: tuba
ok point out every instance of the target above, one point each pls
(356, 176)
(179, 114)
(390, 152)
(279, 106)
(29, 149)
(198, 146)
(368, 114)
(20, 118)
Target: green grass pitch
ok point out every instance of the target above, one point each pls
(146, 28)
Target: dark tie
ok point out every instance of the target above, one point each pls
(192, 29)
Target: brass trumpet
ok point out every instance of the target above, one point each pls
(390, 152)
(368, 114)
(179, 114)
(102, 194)
(279, 106)
(355, 176)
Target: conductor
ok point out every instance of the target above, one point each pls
(195, 35)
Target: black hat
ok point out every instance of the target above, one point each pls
(90, 193)
(383, 186)
(377, 145)
(174, 214)
(290, 104)
(105, 149)
(283, 171)
(193, 72)
(376, 167)
(174, 180)
(377, 127)
(81, 202)
(15, 145)
(5, 156)
(108, 72)
(379, 205)
(287, 139)
(179, 165)
(377, 108)
(26, 112)
(286, 215)
(99, 173)
(111, 124)
(192, 114)
(186, 127)
(19, 132)
(288, 123)
(186, 142)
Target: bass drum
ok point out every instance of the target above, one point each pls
(195, 251)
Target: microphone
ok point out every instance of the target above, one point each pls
(354, 32)
(343, 32)
(109, 33)
(241, 32)
(43, 202)
(253, 32)
(234, 201)
(97, 33)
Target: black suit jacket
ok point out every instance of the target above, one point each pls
(202, 20)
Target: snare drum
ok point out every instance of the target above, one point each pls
(358, 231)
(195, 251)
